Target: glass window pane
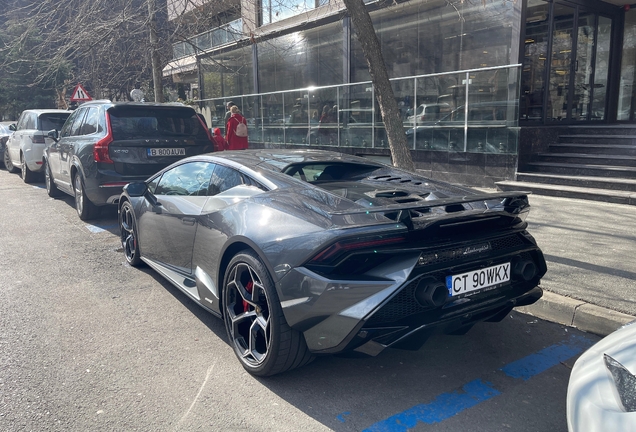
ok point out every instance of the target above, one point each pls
(228, 74)
(302, 59)
(627, 90)
(601, 68)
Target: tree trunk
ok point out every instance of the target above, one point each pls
(363, 26)
(157, 73)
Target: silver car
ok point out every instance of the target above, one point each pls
(25, 147)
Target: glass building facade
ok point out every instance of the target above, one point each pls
(467, 76)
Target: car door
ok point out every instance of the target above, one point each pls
(13, 144)
(67, 147)
(167, 230)
(53, 156)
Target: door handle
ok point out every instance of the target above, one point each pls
(188, 221)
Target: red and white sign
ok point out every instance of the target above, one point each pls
(80, 94)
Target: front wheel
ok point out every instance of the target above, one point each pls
(86, 210)
(128, 234)
(7, 161)
(256, 327)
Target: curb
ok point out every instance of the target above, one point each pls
(576, 313)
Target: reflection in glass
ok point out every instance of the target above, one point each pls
(583, 69)
(601, 68)
(627, 90)
(561, 62)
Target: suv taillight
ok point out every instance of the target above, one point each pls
(100, 150)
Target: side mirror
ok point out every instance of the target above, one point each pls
(136, 189)
(12, 127)
(54, 135)
(140, 189)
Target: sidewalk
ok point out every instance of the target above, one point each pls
(590, 248)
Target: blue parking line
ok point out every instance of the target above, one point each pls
(444, 406)
(99, 228)
(475, 392)
(341, 417)
(543, 360)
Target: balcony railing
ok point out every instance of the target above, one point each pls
(473, 111)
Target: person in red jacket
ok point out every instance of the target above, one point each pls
(219, 142)
(236, 130)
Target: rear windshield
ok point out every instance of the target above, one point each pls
(52, 121)
(137, 122)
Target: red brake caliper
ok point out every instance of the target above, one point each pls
(248, 287)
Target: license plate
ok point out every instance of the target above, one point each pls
(166, 152)
(478, 279)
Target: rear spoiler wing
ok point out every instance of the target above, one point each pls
(507, 199)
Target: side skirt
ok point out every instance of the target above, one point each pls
(184, 283)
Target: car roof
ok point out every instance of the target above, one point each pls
(136, 104)
(46, 111)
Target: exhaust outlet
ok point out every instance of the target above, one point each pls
(524, 269)
(431, 293)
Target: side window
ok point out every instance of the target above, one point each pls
(189, 179)
(66, 129)
(30, 121)
(90, 125)
(224, 178)
(77, 124)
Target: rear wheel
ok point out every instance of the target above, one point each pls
(128, 234)
(27, 175)
(86, 210)
(7, 161)
(51, 187)
(256, 327)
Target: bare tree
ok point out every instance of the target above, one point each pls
(363, 26)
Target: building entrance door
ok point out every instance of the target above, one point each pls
(566, 64)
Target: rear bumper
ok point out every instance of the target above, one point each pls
(381, 310)
(104, 187)
(33, 157)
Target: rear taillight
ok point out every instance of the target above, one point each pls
(347, 246)
(37, 139)
(100, 150)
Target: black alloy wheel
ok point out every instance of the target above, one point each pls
(128, 234)
(27, 175)
(7, 161)
(86, 210)
(256, 327)
(51, 187)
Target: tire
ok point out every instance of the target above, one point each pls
(256, 327)
(128, 234)
(51, 187)
(27, 175)
(86, 210)
(7, 161)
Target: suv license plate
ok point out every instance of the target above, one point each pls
(166, 152)
(478, 279)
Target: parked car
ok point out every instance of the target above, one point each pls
(427, 113)
(489, 128)
(315, 252)
(104, 145)
(5, 131)
(602, 388)
(25, 147)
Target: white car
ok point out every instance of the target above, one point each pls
(602, 389)
(25, 147)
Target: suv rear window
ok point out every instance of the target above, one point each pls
(52, 121)
(135, 122)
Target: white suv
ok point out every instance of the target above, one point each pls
(25, 147)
